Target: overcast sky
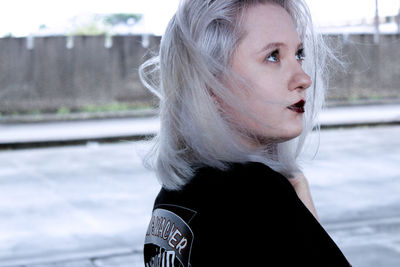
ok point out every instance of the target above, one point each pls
(22, 17)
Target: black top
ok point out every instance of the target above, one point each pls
(248, 215)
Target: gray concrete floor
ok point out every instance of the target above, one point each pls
(90, 205)
(118, 128)
(355, 181)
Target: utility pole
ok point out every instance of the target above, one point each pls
(398, 20)
(376, 34)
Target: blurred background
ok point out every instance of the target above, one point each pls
(75, 120)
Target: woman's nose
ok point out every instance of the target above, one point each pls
(300, 80)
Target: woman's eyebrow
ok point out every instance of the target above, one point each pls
(271, 46)
(275, 45)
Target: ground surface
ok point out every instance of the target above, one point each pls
(89, 205)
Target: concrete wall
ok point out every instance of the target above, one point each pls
(48, 75)
(373, 70)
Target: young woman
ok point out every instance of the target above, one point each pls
(240, 85)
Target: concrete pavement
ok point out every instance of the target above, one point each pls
(74, 206)
(89, 205)
(24, 135)
(364, 115)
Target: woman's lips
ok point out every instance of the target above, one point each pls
(298, 107)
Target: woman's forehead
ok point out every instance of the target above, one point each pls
(264, 24)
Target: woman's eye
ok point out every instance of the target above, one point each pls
(300, 55)
(273, 57)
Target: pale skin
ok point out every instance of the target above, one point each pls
(270, 57)
(300, 185)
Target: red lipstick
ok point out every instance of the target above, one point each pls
(298, 107)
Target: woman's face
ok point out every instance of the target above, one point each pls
(269, 58)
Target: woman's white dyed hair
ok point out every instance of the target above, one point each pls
(188, 76)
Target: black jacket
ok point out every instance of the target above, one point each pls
(248, 215)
